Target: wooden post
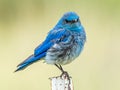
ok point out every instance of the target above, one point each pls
(62, 82)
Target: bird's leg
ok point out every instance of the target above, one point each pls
(59, 67)
(63, 72)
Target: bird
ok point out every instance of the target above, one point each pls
(63, 44)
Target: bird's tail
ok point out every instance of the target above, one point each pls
(31, 59)
(26, 63)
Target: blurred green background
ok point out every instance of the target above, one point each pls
(24, 25)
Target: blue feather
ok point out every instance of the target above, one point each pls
(53, 37)
(31, 59)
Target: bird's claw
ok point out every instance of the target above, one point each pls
(65, 75)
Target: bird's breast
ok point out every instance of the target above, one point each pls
(64, 52)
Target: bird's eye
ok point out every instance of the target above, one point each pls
(67, 21)
(71, 21)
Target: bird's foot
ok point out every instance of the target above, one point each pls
(65, 75)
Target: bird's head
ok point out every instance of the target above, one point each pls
(69, 20)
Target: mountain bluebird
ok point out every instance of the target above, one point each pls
(62, 45)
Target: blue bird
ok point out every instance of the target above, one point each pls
(63, 44)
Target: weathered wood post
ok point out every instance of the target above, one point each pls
(62, 82)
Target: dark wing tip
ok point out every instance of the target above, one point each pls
(24, 60)
(16, 70)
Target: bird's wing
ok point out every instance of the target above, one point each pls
(53, 37)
